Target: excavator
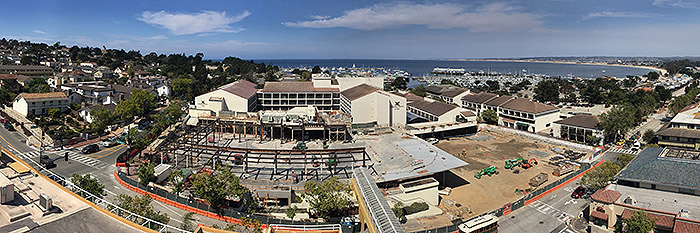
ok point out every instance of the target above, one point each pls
(487, 171)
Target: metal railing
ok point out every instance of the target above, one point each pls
(128, 215)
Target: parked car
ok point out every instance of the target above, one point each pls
(89, 149)
(578, 192)
(4, 121)
(109, 142)
(45, 161)
(636, 146)
(9, 127)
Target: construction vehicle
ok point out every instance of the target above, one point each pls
(487, 171)
(529, 163)
(300, 146)
(539, 179)
(513, 163)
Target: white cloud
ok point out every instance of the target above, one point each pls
(491, 17)
(617, 14)
(677, 3)
(319, 17)
(39, 32)
(203, 22)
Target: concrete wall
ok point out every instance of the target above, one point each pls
(231, 102)
(20, 106)
(375, 107)
(546, 121)
(609, 209)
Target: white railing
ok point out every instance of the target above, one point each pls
(128, 215)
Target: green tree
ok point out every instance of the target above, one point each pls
(291, 212)
(398, 210)
(37, 85)
(306, 75)
(648, 135)
(187, 220)
(399, 83)
(419, 91)
(101, 118)
(216, 187)
(598, 178)
(6, 97)
(329, 198)
(52, 112)
(89, 184)
(623, 159)
(177, 178)
(449, 82)
(592, 140)
(489, 116)
(141, 205)
(617, 121)
(146, 173)
(316, 70)
(547, 90)
(139, 104)
(652, 75)
(640, 222)
(184, 88)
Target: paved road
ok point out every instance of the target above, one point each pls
(551, 212)
(99, 165)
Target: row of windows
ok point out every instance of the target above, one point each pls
(678, 139)
(50, 102)
(517, 114)
(682, 125)
(299, 95)
(300, 102)
(423, 114)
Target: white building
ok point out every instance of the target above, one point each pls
(370, 106)
(238, 96)
(454, 96)
(39, 103)
(85, 112)
(438, 112)
(578, 128)
(476, 101)
(163, 90)
(527, 115)
(323, 94)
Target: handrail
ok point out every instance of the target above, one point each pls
(103, 203)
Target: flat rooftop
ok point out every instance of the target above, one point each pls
(659, 200)
(395, 155)
(663, 166)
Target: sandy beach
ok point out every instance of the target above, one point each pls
(657, 69)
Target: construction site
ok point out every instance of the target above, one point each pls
(501, 169)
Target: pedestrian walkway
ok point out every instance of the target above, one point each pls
(624, 151)
(82, 159)
(550, 210)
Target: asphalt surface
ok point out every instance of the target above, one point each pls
(550, 213)
(99, 164)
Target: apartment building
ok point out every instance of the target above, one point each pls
(527, 115)
(369, 106)
(288, 95)
(39, 103)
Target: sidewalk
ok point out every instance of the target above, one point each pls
(36, 131)
(83, 143)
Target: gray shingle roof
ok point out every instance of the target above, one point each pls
(581, 120)
(649, 167)
(498, 101)
(479, 98)
(436, 108)
(358, 91)
(679, 132)
(525, 105)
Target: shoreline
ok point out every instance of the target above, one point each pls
(662, 71)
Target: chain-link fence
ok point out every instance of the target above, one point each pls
(513, 206)
(225, 212)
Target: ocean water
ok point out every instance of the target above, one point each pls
(424, 67)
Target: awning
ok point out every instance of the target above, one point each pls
(599, 215)
(508, 120)
(521, 124)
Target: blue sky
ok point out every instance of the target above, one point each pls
(365, 29)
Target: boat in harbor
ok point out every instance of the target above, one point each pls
(449, 71)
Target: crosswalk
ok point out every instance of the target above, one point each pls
(624, 151)
(73, 156)
(544, 208)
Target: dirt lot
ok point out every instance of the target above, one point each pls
(490, 192)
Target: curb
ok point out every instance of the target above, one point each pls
(180, 206)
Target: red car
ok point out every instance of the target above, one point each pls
(578, 192)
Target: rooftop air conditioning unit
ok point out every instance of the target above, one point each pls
(45, 202)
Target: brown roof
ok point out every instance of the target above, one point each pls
(436, 108)
(498, 101)
(661, 220)
(468, 113)
(479, 98)
(526, 105)
(11, 76)
(678, 132)
(606, 196)
(295, 87)
(453, 92)
(689, 107)
(358, 91)
(242, 88)
(40, 96)
(686, 227)
(74, 73)
(581, 120)
(409, 96)
(599, 215)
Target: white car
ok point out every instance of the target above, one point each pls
(636, 146)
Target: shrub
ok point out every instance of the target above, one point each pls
(415, 208)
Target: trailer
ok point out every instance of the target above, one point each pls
(539, 179)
